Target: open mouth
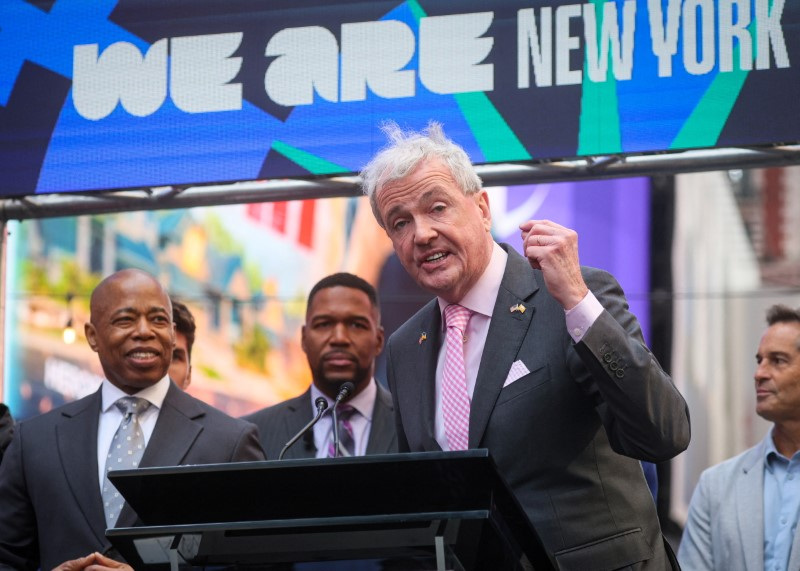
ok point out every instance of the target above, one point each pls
(434, 259)
(143, 357)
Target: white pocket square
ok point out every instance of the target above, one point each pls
(518, 369)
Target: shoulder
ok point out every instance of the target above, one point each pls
(87, 404)
(719, 476)
(279, 410)
(384, 396)
(203, 413)
(417, 322)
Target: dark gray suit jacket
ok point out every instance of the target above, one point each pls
(6, 428)
(51, 509)
(277, 424)
(568, 436)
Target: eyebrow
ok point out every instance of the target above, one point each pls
(131, 309)
(424, 196)
(356, 317)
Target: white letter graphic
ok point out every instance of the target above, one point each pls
(622, 58)
(373, 54)
(692, 60)
(664, 36)
(120, 74)
(728, 31)
(770, 32)
(201, 68)
(565, 44)
(450, 52)
(541, 53)
(308, 62)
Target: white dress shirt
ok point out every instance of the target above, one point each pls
(480, 300)
(110, 417)
(361, 421)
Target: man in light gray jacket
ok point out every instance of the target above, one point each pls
(744, 511)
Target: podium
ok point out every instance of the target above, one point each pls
(427, 510)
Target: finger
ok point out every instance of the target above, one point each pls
(546, 226)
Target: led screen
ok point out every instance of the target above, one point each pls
(139, 93)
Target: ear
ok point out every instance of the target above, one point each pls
(303, 338)
(91, 335)
(188, 380)
(380, 335)
(482, 202)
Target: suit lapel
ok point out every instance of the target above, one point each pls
(794, 557)
(750, 510)
(299, 415)
(424, 370)
(173, 436)
(381, 434)
(76, 435)
(507, 330)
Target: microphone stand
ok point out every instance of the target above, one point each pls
(345, 391)
(322, 406)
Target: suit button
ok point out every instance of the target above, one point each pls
(613, 365)
(620, 373)
(607, 357)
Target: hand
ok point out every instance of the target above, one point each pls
(93, 562)
(553, 249)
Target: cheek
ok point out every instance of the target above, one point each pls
(404, 249)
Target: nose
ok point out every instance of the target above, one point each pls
(762, 372)
(143, 328)
(339, 335)
(424, 231)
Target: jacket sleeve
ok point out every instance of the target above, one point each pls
(644, 415)
(248, 447)
(696, 552)
(18, 538)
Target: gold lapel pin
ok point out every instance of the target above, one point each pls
(519, 307)
(423, 336)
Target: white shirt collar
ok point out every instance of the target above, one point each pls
(482, 296)
(154, 394)
(363, 402)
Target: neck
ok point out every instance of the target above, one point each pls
(786, 437)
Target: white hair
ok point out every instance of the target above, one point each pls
(405, 150)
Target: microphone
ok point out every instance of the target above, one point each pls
(345, 390)
(321, 405)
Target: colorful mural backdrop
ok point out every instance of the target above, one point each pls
(245, 270)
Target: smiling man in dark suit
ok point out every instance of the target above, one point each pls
(538, 360)
(52, 479)
(341, 337)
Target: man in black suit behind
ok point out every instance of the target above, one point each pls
(6, 428)
(341, 337)
(52, 512)
(543, 364)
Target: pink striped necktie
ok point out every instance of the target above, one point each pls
(455, 398)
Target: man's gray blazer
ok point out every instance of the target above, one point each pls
(567, 436)
(51, 508)
(277, 424)
(725, 529)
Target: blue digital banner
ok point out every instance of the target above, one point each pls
(113, 94)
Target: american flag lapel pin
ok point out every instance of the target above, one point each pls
(518, 307)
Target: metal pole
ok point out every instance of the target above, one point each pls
(3, 264)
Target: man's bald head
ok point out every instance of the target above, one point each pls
(131, 329)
